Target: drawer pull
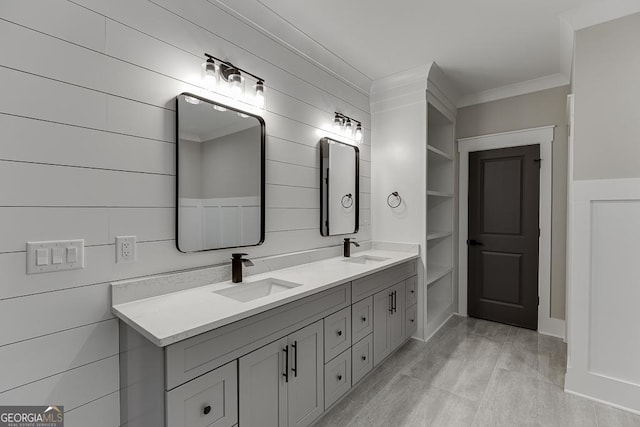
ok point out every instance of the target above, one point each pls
(339, 377)
(364, 357)
(206, 410)
(339, 333)
(364, 319)
(412, 320)
(412, 291)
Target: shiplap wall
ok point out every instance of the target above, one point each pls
(87, 151)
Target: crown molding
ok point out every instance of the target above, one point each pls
(598, 12)
(534, 85)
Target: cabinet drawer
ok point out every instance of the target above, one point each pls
(412, 294)
(362, 358)
(369, 285)
(337, 333)
(337, 378)
(208, 401)
(362, 318)
(412, 320)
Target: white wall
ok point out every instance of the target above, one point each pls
(603, 292)
(606, 85)
(88, 141)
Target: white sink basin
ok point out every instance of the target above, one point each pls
(365, 259)
(245, 292)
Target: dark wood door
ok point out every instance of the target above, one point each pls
(504, 195)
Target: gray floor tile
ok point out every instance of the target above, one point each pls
(513, 399)
(612, 417)
(464, 369)
(539, 356)
(395, 406)
(473, 372)
(440, 408)
(342, 414)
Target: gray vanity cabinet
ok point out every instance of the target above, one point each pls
(281, 384)
(389, 319)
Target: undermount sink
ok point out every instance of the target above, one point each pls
(365, 259)
(245, 292)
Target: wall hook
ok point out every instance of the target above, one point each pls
(394, 200)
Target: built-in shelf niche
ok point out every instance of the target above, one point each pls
(441, 272)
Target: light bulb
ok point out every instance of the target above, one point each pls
(235, 83)
(243, 115)
(259, 99)
(358, 134)
(209, 74)
(337, 124)
(348, 129)
(219, 108)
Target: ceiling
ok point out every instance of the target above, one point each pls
(479, 44)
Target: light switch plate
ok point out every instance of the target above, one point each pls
(56, 252)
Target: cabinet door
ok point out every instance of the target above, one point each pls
(381, 312)
(263, 387)
(306, 387)
(397, 317)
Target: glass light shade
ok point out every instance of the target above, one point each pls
(259, 99)
(348, 129)
(337, 124)
(235, 84)
(358, 134)
(210, 74)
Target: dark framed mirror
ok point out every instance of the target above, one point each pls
(339, 188)
(220, 176)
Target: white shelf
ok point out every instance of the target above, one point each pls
(439, 194)
(439, 235)
(439, 152)
(436, 272)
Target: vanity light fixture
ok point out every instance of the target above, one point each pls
(343, 125)
(216, 72)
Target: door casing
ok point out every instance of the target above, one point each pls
(544, 137)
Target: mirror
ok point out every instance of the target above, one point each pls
(220, 176)
(339, 182)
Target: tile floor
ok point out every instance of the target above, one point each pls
(473, 373)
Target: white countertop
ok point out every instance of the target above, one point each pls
(169, 318)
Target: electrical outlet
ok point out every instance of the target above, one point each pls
(125, 249)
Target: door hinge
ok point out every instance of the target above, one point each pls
(538, 301)
(539, 162)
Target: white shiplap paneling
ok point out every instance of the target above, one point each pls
(89, 152)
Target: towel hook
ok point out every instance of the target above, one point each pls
(347, 200)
